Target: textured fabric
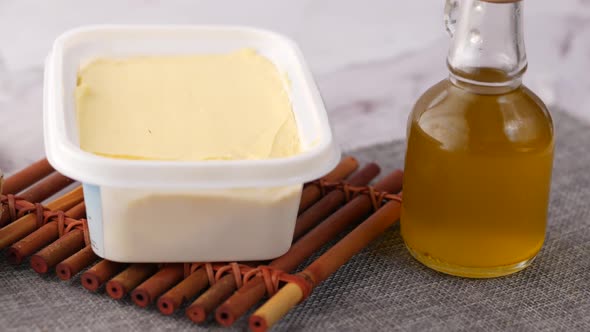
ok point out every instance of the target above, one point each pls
(383, 287)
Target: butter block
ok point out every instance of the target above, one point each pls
(230, 106)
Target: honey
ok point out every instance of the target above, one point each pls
(480, 152)
(477, 180)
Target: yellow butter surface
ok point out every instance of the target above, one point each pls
(186, 107)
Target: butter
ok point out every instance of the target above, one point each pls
(186, 107)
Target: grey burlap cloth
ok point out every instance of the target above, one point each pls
(382, 288)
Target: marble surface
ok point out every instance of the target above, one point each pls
(371, 58)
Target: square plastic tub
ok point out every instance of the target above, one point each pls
(168, 211)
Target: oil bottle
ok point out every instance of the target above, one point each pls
(479, 151)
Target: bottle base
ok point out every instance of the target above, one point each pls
(469, 272)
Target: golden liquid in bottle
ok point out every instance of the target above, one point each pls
(477, 178)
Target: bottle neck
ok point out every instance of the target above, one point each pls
(487, 49)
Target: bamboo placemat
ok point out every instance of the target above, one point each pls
(54, 236)
(382, 288)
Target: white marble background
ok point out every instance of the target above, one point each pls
(371, 58)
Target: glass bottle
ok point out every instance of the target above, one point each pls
(480, 152)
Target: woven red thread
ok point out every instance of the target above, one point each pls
(66, 224)
(10, 201)
(321, 185)
(244, 273)
(12, 206)
(82, 224)
(18, 207)
(236, 269)
(216, 271)
(190, 268)
(378, 198)
(272, 278)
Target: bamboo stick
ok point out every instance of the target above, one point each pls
(27, 224)
(328, 263)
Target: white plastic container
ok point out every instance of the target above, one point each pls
(166, 211)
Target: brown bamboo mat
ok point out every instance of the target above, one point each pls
(382, 288)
